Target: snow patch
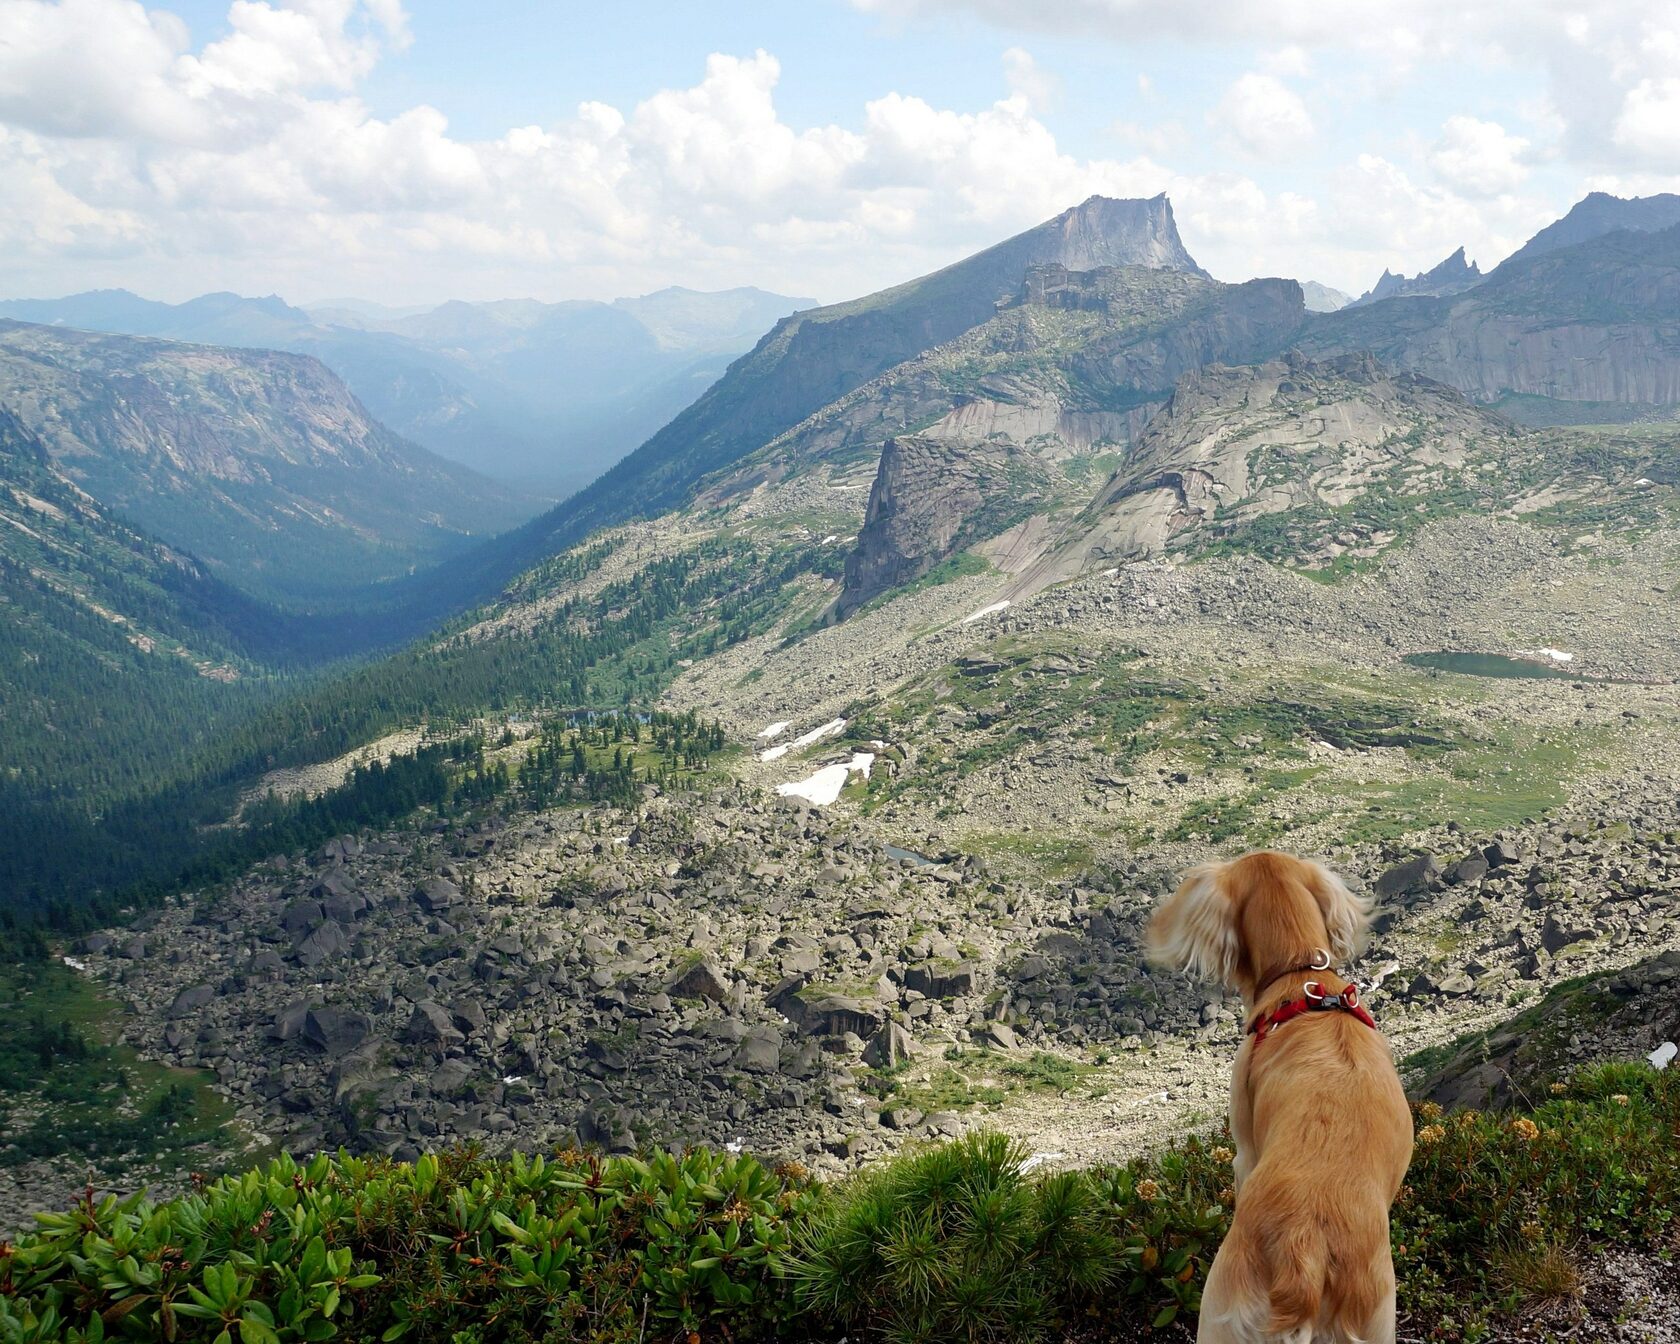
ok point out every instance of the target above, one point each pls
(985, 611)
(1663, 1055)
(777, 728)
(824, 787)
(74, 964)
(776, 753)
(1038, 1160)
(832, 536)
(1550, 655)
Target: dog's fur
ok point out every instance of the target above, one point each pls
(1323, 1132)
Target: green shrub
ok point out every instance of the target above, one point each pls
(1498, 1206)
(447, 1249)
(955, 1243)
(948, 1243)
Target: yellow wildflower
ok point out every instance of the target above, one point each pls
(1429, 1110)
(1148, 1191)
(1524, 1128)
(1431, 1134)
(1558, 1089)
(1621, 1098)
(1222, 1155)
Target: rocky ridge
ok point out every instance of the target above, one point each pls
(1452, 276)
(1593, 322)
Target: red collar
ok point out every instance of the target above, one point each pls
(1316, 1001)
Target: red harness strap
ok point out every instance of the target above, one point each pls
(1316, 1001)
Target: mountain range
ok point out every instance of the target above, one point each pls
(950, 621)
(542, 395)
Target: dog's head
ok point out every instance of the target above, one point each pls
(1232, 922)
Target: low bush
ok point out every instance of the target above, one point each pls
(453, 1249)
(956, 1243)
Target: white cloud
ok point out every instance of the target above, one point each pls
(1648, 125)
(1610, 65)
(1263, 115)
(1291, 62)
(252, 161)
(1380, 218)
(1479, 158)
(1026, 78)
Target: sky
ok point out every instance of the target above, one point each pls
(412, 151)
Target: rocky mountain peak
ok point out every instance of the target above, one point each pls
(1104, 231)
(1451, 276)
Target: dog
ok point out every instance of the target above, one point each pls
(1323, 1132)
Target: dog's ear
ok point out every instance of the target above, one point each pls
(1196, 929)
(1347, 917)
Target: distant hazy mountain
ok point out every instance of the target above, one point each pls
(260, 463)
(544, 394)
(1323, 299)
(1598, 214)
(1452, 276)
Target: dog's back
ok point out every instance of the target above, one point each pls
(1309, 1244)
(1322, 1129)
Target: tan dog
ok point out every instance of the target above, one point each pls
(1323, 1132)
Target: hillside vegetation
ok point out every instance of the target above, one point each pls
(1500, 1228)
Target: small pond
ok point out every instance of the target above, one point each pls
(1493, 665)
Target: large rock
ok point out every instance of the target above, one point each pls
(889, 1047)
(702, 980)
(760, 1050)
(436, 895)
(191, 1000)
(1408, 878)
(1555, 934)
(322, 944)
(827, 1012)
(430, 1025)
(942, 980)
(288, 1022)
(302, 916)
(337, 1031)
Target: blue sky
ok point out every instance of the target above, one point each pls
(417, 151)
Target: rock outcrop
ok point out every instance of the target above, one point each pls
(1452, 276)
(1597, 322)
(1236, 445)
(812, 358)
(1077, 364)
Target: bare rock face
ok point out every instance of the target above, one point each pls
(1236, 445)
(1599, 321)
(931, 497)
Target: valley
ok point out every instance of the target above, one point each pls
(803, 785)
